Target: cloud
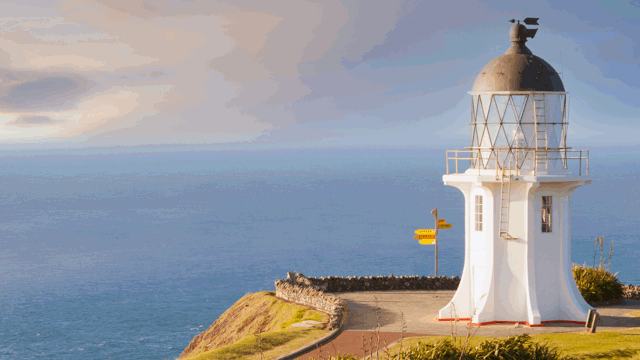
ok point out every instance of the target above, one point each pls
(156, 74)
(27, 90)
(32, 121)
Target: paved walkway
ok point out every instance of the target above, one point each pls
(419, 310)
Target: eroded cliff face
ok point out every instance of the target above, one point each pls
(252, 314)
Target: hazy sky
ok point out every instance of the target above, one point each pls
(297, 74)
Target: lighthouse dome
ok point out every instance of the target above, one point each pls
(518, 69)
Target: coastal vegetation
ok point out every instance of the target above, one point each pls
(597, 283)
(256, 326)
(622, 344)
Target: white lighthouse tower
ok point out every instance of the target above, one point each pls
(517, 192)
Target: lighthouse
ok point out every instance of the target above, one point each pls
(517, 178)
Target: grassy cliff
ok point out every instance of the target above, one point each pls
(235, 334)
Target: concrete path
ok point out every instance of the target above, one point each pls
(420, 309)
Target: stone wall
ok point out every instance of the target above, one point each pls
(382, 283)
(303, 294)
(631, 292)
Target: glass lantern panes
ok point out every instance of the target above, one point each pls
(519, 129)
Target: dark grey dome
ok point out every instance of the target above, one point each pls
(518, 69)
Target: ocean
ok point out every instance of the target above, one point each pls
(129, 256)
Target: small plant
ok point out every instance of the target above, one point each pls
(259, 342)
(464, 348)
(599, 246)
(403, 327)
(377, 311)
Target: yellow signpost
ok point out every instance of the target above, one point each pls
(425, 231)
(428, 236)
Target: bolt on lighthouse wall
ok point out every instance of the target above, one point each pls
(517, 190)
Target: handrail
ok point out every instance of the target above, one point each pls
(476, 160)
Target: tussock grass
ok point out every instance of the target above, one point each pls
(302, 314)
(274, 344)
(619, 344)
(259, 313)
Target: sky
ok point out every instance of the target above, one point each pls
(329, 74)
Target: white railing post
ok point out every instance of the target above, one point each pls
(587, 162)
(447, 162)
(580, 168)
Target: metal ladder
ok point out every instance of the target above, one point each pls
(505, 200)
(541, 160)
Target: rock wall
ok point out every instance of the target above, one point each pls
(382, 283)
(303, 294)
(631, 292)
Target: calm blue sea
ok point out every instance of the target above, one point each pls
(131, 256)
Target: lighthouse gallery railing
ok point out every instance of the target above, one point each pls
(477, 161)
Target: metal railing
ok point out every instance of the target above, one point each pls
(490, 159)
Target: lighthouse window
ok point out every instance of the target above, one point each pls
(478, 212)
(546, 214)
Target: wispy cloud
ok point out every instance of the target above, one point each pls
(32, 121)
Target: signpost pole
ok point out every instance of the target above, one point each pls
(434, 212)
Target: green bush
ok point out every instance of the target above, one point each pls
(515, 347)
(597, 284)
(444, 349)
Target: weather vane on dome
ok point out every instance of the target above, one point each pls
(528, 21)
(520, 33)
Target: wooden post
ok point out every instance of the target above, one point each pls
(434, 212)
(591, 323)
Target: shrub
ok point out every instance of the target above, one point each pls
(597, 284)
(444, 349)
(515, 347)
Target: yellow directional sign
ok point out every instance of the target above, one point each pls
(445, 226)
(427, 241)
(442, 221)
(425, 231)
(428, 236)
